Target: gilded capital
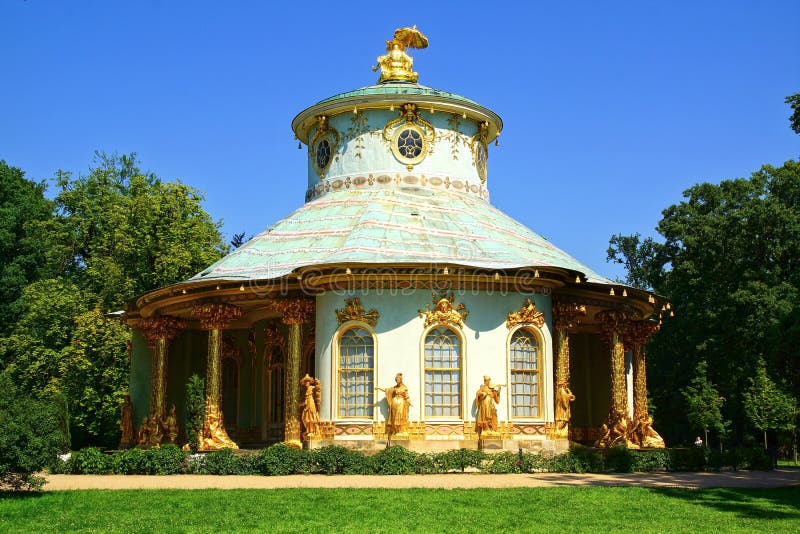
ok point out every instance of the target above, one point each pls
(216, 316)
(294, 311)
(527, 314)
(164, 327)
(354, 311)
(638, 332)
(613, 321)
(567, 316)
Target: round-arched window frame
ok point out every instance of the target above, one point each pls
(356, 373)
(525, 370)
(443, 364)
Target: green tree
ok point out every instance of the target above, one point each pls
(22, 204)
(794, 120)
(115, 233)
(704, 404)
(121, 232)
(767, 406)
(195, 410)
(94, 377)
(729, 262)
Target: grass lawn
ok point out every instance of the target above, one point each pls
(593, 509)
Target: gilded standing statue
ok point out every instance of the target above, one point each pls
(310, 415)
(487, 397)
(399, 401)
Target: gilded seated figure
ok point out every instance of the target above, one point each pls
(399, 401)
(396, 64)
(487, 397)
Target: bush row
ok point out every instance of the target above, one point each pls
(280, 459)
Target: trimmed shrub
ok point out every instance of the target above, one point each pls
(651, 460)
(130, 462)
(221, 462)
(165, 460)
(394, 460)
(758, 458)
(336, 460)
(457, 460)
(692, 459)
(280, 459)
(619, 459)
(503, 462)
(90, 461)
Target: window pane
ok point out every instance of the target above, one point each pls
(442, 373)
(356, 366)
(524, 356)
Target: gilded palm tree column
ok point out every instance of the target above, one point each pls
(565, 316)
(615, 430)
(295, 312)
(215, 317)
(642, 434)
(158, 332)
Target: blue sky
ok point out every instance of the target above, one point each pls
(611, 109)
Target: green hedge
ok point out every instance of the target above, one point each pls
(280, 459)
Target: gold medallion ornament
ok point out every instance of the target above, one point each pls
(478, 143)
(410, 136)
(527, 314)
(354, 311)
(323, 146)
(443, 311)
(396, 64)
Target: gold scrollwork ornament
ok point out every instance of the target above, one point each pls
(323, 146)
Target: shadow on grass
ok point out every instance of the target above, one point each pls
(750, 503)
(8, 494)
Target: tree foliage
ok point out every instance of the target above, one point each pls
(704, 404)
(22, 205)
(767, 406)
(106, 237)
(729, 261)
(794, 119)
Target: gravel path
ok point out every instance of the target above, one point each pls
(734, 479)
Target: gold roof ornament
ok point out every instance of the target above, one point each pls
(396, 64)
(527, 314)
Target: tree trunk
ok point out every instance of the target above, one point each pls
(765, 440)
(706, 434)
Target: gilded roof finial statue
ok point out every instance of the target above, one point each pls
(396, 65)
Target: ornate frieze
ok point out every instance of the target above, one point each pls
(354, 311)
(443, 311)
(359, 182)
(527, 314)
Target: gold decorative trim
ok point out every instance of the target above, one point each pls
(157, 328)
(409, 119)
(354, 311)
(324, 132)
(443, 311)
(527, 315)
(567, 315)
(479, 145)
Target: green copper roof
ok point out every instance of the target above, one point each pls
(402, 225)
(398, 88)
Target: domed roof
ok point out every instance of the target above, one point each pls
(392, 226)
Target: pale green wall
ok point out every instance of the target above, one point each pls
(400, 331)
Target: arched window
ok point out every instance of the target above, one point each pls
(356, 373)
(525, 376)
(442, 373)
